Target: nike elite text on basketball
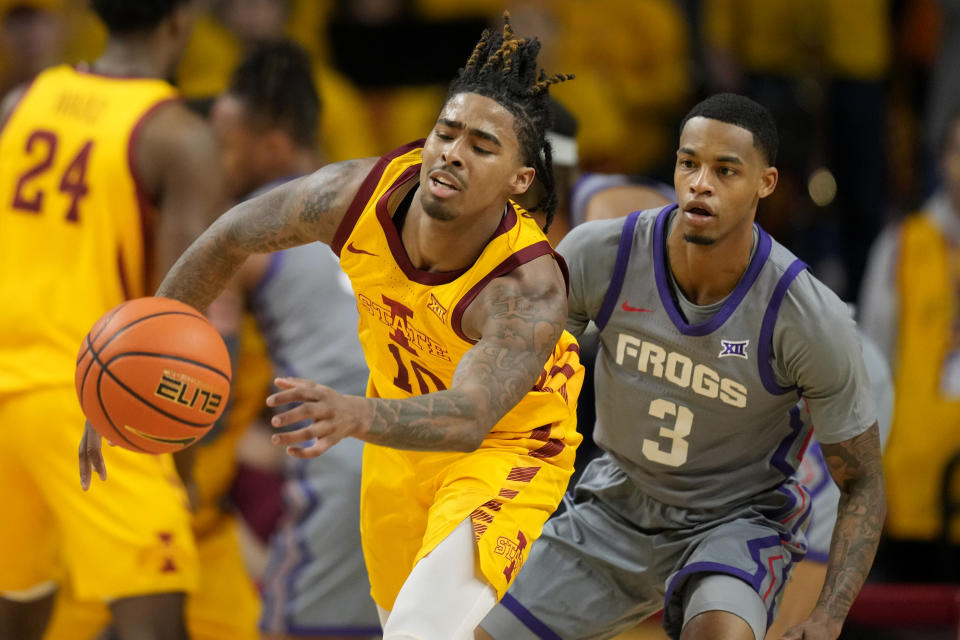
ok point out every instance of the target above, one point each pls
(184, 391)
(652, 359)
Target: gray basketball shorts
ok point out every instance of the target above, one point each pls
(614, 557)
(316, 582)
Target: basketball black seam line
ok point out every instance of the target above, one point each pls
(106, 367)
(154, 354)
(121, 329)
(107, 413)
(106, 324)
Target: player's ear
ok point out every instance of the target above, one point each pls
(768, 181)
(522, 180)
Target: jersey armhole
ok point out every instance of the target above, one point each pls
(765, 346)
(364, 193)
(619, 271)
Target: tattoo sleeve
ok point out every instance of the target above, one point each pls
(519, 335)
(296, 213)
(856, 467)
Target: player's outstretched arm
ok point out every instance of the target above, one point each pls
(295, 213)
(856, 467)
(517, 319)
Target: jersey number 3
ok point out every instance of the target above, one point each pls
(73, 182)
(676, 455)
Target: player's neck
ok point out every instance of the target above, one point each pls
(131, 57)
(445, 245)
(708, 273)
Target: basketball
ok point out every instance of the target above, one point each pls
(153, 375)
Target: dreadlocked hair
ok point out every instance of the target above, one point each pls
(503, 67)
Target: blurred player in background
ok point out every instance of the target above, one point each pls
(105, 178)
(316, 584)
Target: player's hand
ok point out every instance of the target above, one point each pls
(819, 626)
(333, 416)
(90, 456)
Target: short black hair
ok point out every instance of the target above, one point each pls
(131, 16)
(275, 84)
(504, 68)
(743, 112)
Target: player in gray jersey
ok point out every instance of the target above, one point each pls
(712, 336)
(315, 585)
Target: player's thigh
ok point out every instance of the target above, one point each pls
(754, 557)
(588, 576)
(226, 604)
(720, 606)
(28, 537)
(124, 537)
(444, 596)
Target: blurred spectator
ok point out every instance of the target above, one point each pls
(910, 304)
(820, 67)
(633, 68)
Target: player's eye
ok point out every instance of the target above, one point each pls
(686, 164)
(442, 135)
(482, 151)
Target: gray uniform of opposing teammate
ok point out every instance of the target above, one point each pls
(316, 582)
(698, 413)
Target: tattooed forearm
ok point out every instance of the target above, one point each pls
(299, 212)
(856, 467)
(519, 333)
(441, 421)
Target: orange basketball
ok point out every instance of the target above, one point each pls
(153, 375)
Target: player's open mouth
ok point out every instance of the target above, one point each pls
(442, 186)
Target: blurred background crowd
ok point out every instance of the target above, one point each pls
(865, 94)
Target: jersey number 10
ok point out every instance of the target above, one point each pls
(73, 182)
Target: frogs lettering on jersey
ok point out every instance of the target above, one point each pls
(679, 369)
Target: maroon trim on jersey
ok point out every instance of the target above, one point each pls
(145, 202)
(16, 103)
(85, 69)
(513, 261)
(362, 198)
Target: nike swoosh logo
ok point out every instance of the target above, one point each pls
(627, 307)
(353, 249)
(186, 441)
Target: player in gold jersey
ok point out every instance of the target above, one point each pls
(469, 418)
(105, 178)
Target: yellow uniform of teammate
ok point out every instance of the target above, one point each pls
(412, 339)
(226, 603)
(75, 229)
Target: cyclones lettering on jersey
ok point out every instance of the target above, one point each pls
(680, 370)
(398, 316)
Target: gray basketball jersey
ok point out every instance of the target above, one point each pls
(308, 316)
(706, 413)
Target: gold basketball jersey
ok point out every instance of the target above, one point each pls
(410, 319)
(74, 223)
